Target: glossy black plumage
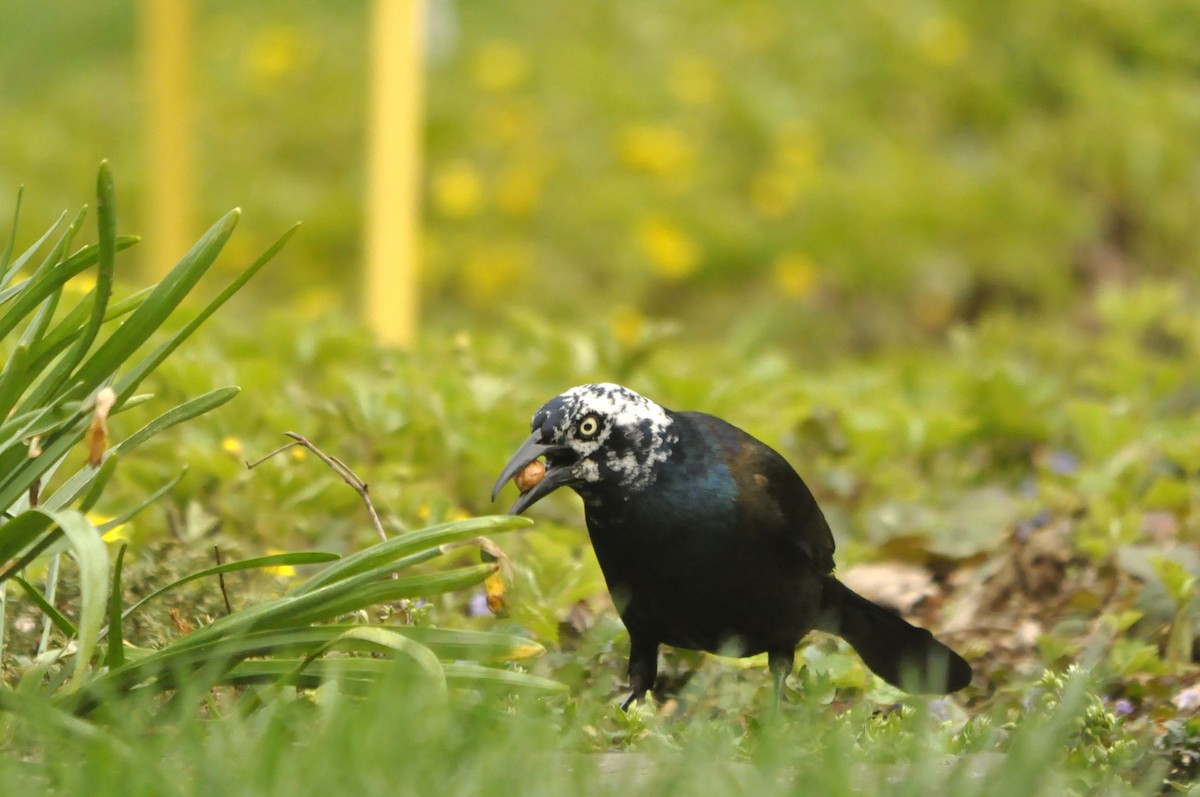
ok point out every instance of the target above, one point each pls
(709, 540)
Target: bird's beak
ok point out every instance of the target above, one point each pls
(556, 474)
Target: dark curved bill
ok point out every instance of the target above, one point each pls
(556, 475)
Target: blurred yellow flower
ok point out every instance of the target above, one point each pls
(944, 40)
(499, 66)
(794, 274)
(798, 145)
(276, 52)
(299, 453)
(517, 191)
(656, 148)
(672, 253)
(232, 446)
(118, 533)
(507, 121)
(628, 325)
(81, 283)
(491, 272)
(457, 189)
(692, 81)
(773, 193)
(458, 514)
(424, 512)
(286, 571)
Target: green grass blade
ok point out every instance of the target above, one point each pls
(30, 293)
(151, 314)
(75, 486)
(79, 482)
(106, 260)
(18, 534)
(6, 254)
(130, 381)
(116, 636)
(14, 379)
(72, 324)
(176, 415)
(7, 293)
(458, 676)
(387, 590)
(396, 547)
(65, 626)
(91, 556)
(377, 639)
(107, 468)
(274, 560)
(473, 676)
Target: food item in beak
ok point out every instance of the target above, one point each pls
(529, 476)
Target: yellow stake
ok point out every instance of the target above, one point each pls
(166, 32)
(392, 217)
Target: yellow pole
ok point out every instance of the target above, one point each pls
(166, 32)
(393, 170)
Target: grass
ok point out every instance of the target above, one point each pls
(943, 456)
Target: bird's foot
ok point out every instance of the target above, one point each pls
(635, 696)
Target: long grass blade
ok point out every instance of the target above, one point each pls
(130, 381)
(116, 635)
(151, 314)
(259, 562)
(7, 293)
(429, 538)
(91, 556)
(60, 621)
(6, 254)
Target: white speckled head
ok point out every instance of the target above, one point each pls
(617, 434)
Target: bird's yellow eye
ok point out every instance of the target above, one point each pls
(589, 427)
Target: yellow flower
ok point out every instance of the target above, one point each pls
(798, 145)
(458, 514)
(773, 194)
(424, 513)
(457, 190)
(285, 571)
(673, 255)
(276, 52)
(794, 275)
(232, 446)
(628, 325)
(299, 453)
(118, 533)
(944, 40)
(517, 191)
(692, 81)
(495, 271)
(655, 148)
(499, 66)
(81, 283)
(508, 121)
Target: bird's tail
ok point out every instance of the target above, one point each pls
(898, 652)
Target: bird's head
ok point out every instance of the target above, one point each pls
(593, 437)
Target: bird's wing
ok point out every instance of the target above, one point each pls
(772, 498)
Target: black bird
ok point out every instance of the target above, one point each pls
(709, 540)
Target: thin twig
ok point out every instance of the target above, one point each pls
(221, 579)
(338, 467)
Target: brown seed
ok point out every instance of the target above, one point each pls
(530, 475)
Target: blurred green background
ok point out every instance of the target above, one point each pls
(860, 172)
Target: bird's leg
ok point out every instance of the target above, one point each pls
(643, 668)
(780, 662)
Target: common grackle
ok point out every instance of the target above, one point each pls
(709, 540)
